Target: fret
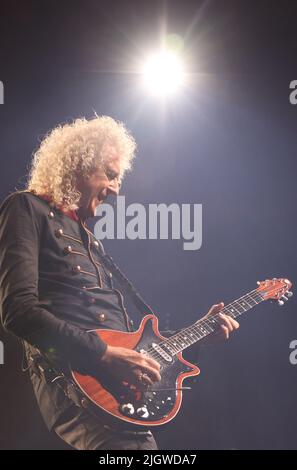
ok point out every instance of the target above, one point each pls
(194, 336)
(249, 300)
(203, 328)
(244, 305)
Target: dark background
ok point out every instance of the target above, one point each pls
(229, 144)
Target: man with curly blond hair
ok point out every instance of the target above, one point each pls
(54, 288)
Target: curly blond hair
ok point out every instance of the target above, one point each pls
(79, 147)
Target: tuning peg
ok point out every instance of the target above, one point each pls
(289, 294)
(280, 302)
(258, 283)
(284, 297)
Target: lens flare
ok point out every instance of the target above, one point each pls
(164, 73)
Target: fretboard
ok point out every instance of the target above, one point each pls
(206, 326)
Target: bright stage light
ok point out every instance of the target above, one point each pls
(163, 73)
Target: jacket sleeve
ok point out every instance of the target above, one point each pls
(21, 311)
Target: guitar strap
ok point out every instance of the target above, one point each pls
(142, 307)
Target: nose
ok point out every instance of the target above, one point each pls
(113, 188)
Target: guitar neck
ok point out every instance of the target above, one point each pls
(206, 326)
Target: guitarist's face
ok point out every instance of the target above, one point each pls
(101, 183)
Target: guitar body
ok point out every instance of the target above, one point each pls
(153, 406)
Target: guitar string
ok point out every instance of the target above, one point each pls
(176, 341)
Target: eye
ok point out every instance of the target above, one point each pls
(111, 175)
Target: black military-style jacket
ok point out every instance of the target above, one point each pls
(53, 287)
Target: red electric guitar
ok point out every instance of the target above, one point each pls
(161, 402)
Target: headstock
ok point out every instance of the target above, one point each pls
(275, 289)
